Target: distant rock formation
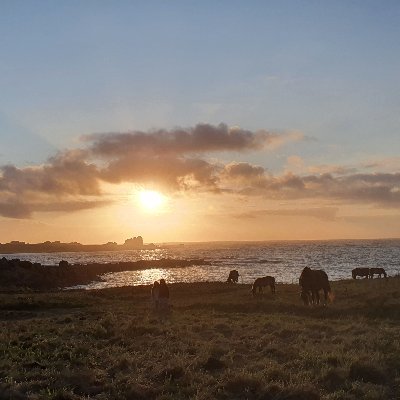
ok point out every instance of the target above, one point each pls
(135, 243)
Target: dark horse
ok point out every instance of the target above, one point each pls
(233, 276)
(378, 271)
(311, 282)
(262, 282)
(360, 272)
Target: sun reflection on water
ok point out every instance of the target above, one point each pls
(148, 276)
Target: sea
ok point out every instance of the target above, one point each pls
(282, 259)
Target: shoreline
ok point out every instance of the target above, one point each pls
(17, 273)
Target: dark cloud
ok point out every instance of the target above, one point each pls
(203, 138)
(14, 210)
(58, 185)
(13, 207)
(67, 173)
(166, 173)
(243, 171)
(380, 189)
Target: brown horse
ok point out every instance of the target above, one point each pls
(377, 271)
(233, 276)
(262, 282)
(311, 282)
(360, 272)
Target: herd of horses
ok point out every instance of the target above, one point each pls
(368, 272)
(311, 282)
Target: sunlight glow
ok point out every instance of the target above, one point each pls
(151, 200)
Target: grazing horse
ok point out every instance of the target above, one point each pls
(378, 271)
(262, 282)
(233, 276)
(311, 282)
(360, 272)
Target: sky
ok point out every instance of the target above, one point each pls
(199, 121)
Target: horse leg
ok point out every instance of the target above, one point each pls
(317, 297)
(305, 297)
(311, 296)
(308, 298)
(326, 295)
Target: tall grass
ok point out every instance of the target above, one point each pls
(218, 342)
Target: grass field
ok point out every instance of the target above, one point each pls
(217, 343)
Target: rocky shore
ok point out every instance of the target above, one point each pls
(17, 274)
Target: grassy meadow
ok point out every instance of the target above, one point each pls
(218, 342)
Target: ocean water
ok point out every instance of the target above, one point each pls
(282, 259)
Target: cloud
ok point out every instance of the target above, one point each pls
(172, 160)
(298, 165)
(177, 160)
(324, 213)
(66, 173)
(23, 208)
(65, 183)
(331, 169)
(380, 189)
(383, 164)
(14, 210)
(165, 173)
(203, 138)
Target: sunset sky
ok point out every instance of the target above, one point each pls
(199, 120)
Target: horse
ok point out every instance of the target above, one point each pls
(262, 282)
(378, 271)
(311, 282)
(360, 272)
(233, 276)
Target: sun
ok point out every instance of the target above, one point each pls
(151, 200)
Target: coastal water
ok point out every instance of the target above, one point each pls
(282, 259)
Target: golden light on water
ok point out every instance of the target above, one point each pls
(151, 200)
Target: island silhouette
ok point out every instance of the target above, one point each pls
(15, 246)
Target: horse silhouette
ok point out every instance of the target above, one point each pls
(233, 276)
(311, 282)
(365, 272)
(377, 271)
(259, 283)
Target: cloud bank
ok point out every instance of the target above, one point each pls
(179, 160)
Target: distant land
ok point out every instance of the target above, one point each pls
(135, 243)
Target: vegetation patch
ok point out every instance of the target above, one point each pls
(366, 372)
(219, 342)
